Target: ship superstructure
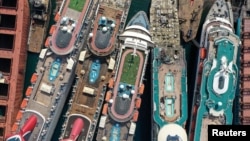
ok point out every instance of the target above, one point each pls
(122, 101)
(169, 88)
(40, 16)
(218, 76)
(244, 20)
(189, 17)
(54, 74)
(109, 20)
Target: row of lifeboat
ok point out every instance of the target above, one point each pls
(52, 30)
(245, 74)
(203, 54)
(24, 102)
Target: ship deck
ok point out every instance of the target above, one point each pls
(38, 28)
(170, 95)
(169, 68)
(102, 42)
(36, 44)
(52, 82)
(118, 122)
(66, 42)
(219, 75)
(117, 113)
(87, 106)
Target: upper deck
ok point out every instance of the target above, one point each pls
(109, 21)
(69, 22)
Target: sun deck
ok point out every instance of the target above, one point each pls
(170, 80)
(105, 29)
(130, 69)
(121, 98)
(63, 39)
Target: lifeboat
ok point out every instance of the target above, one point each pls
(52, 29)
(111, 83)
(108, 96)
(200, 67)
(19, 115)
(28, 91)
(14, 127)
(105, 109)
(24, 103)
(47, 42)
(141, 89)
(77, 127)
(135, 116)
(33, 78)
(193, 122)
(57, 17)
(202, 53)
(199, 80)
(138, 103)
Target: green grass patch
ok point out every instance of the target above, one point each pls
(77, 4)
(130, 69)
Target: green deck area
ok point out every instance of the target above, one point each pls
(77, 4)
(130, 69)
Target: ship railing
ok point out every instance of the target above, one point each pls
(144, 65)
(62, 6)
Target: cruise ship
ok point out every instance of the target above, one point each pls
(169, 78)
(190, 12)
(244, 23)
(94, 69)
(54, 76)
(217, 77)
(40, 17)
(122, 101)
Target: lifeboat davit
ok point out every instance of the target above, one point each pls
(76, 130)
(26, 129)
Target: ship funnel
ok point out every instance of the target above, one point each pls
(104, 29)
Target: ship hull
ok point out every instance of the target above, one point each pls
(13, 55)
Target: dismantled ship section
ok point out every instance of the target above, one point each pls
(14, 23)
